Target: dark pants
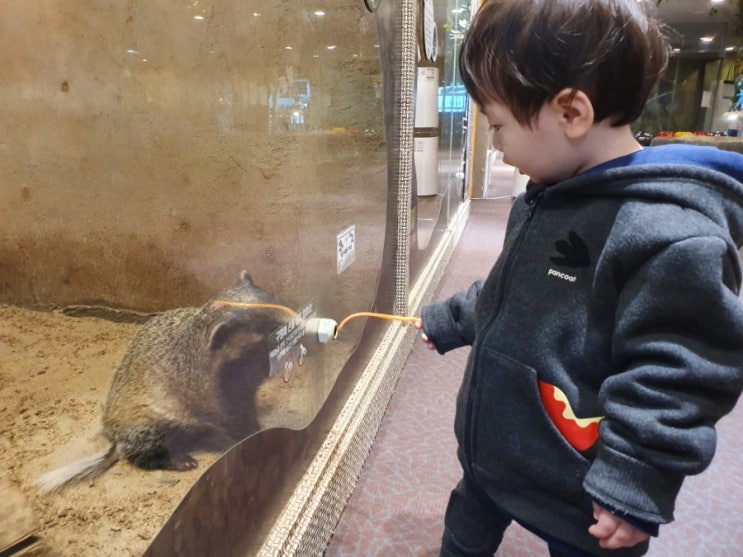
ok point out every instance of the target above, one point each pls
(474, 527)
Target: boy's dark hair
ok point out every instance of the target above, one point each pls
(523, 52)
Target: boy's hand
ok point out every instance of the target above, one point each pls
(424, 336)
(613, 532)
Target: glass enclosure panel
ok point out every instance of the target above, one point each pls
(441, 107)
(696, 92)
(151, 151)
(685, 97)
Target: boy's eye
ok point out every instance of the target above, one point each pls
(495, 127)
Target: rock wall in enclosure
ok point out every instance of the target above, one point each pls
(151, 150)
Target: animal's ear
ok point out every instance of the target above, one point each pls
(221, 333)
(218, 335)
(245, 277)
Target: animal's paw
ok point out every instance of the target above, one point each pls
(184, 462)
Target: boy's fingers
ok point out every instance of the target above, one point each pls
(624, 536)
(424, 336)
(602, 529)
(612, 532)
(606, 523)
(425, 340)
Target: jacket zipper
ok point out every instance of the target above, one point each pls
(469, 432)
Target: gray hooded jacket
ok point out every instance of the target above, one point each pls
(606, 342)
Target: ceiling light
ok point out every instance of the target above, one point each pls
(706, 39)
(319, 13)
(331, 47)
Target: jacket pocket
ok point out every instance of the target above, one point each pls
(515, 445)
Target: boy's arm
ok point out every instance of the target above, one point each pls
(451, 324)
(679, 341)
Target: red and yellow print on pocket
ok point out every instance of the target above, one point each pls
(581, 433)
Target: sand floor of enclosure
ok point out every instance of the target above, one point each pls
(55, 372)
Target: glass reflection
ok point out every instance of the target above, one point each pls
(162, 149)
(440, 125)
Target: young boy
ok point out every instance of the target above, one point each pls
(608, 339)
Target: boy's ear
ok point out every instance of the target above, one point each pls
(574, 111)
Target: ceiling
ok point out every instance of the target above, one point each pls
(685, 11)
(690, 18)
(696, 26)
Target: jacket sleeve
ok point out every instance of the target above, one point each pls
(451, 324)
(678, 349)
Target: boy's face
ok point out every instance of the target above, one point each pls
(541, 151)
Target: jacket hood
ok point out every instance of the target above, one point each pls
(705, 179)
